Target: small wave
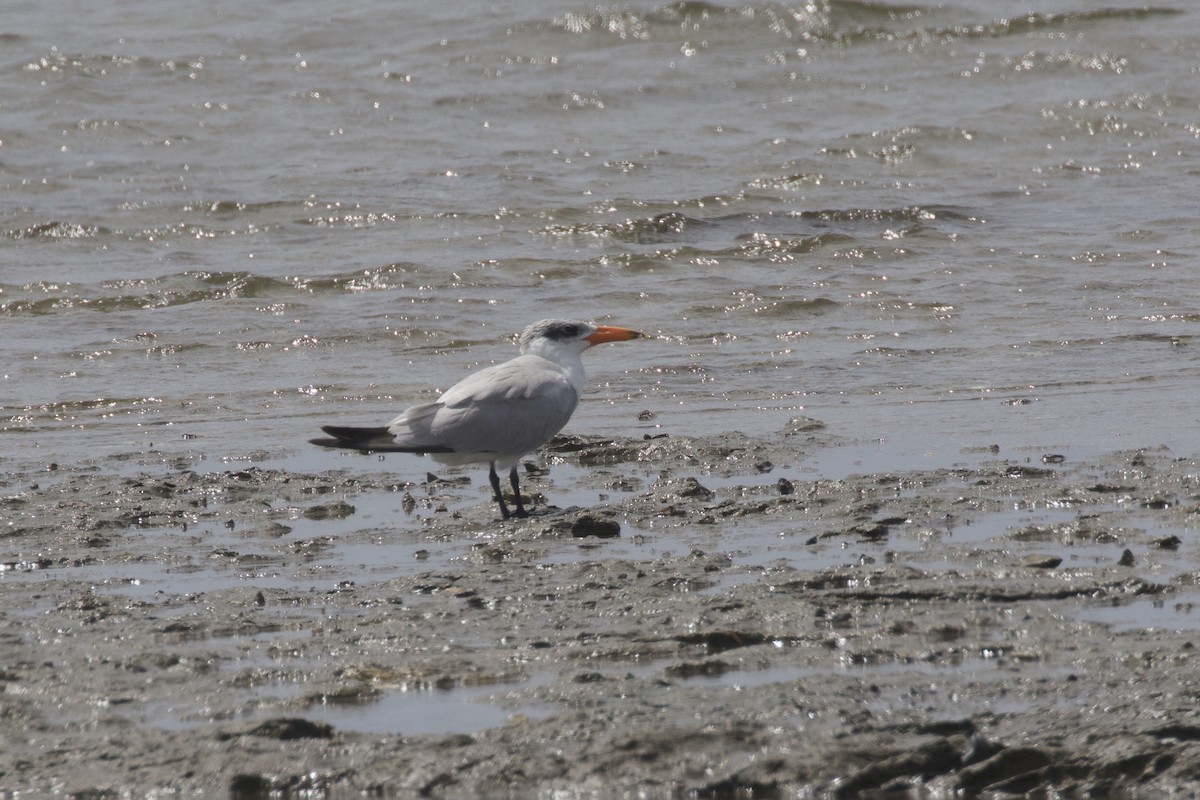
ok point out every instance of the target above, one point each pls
(789, 183)
(231, 208)
(903, 214)
(250, 217)
(397, 275)
(192, 287)
(350, 219)
(40, 299)
(774, 245)
(810, 230)
(56, 62)
(59, 62)
(804, 20)
(1033, 21)
(669, 227)
(66, 409)
(1112, 342)
(1069, 61)
(915, 352)
(237, 284)
(839, 22)
(758, 233)
(623, 24)
(56, 230)
(853, 21)
(785, 308)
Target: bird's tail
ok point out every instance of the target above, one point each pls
(371, 440)
(356, 438)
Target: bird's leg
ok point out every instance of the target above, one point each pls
(495, 479)
(512, 477)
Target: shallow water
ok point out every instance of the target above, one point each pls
(928, 226)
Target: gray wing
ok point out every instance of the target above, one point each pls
(505, 410)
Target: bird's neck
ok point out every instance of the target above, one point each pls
(566, 358)
(573, 364)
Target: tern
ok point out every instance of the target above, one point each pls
(496, 415)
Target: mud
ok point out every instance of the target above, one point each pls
(708, 621)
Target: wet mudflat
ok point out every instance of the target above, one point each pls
(692, 617)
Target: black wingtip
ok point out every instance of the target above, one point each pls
(350, 438)
(371, 440)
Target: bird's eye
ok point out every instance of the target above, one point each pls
(570, 330)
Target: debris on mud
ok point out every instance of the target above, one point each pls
(733, 631)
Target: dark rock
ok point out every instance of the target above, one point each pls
(595, 525)
(288, 728)
(1003, 766)
(338, 510)
(693, 488)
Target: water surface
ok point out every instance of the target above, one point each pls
(933, 227)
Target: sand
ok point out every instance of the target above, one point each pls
(1023, 626)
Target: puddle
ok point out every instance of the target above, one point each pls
(883, 455)
(750, 677)
(473, 709)
(413, 712)
(1172, 612)
(410, 711)
(174, 574)
(154, 580)
(193, 713)
(997, 526)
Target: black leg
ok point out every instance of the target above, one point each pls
(512, 478)
(495, 479)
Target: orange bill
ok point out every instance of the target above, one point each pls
(608, 333)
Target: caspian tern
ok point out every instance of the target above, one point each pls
(498, 414)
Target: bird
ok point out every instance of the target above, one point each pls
(498, 414)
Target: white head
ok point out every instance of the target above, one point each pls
(554, 336)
